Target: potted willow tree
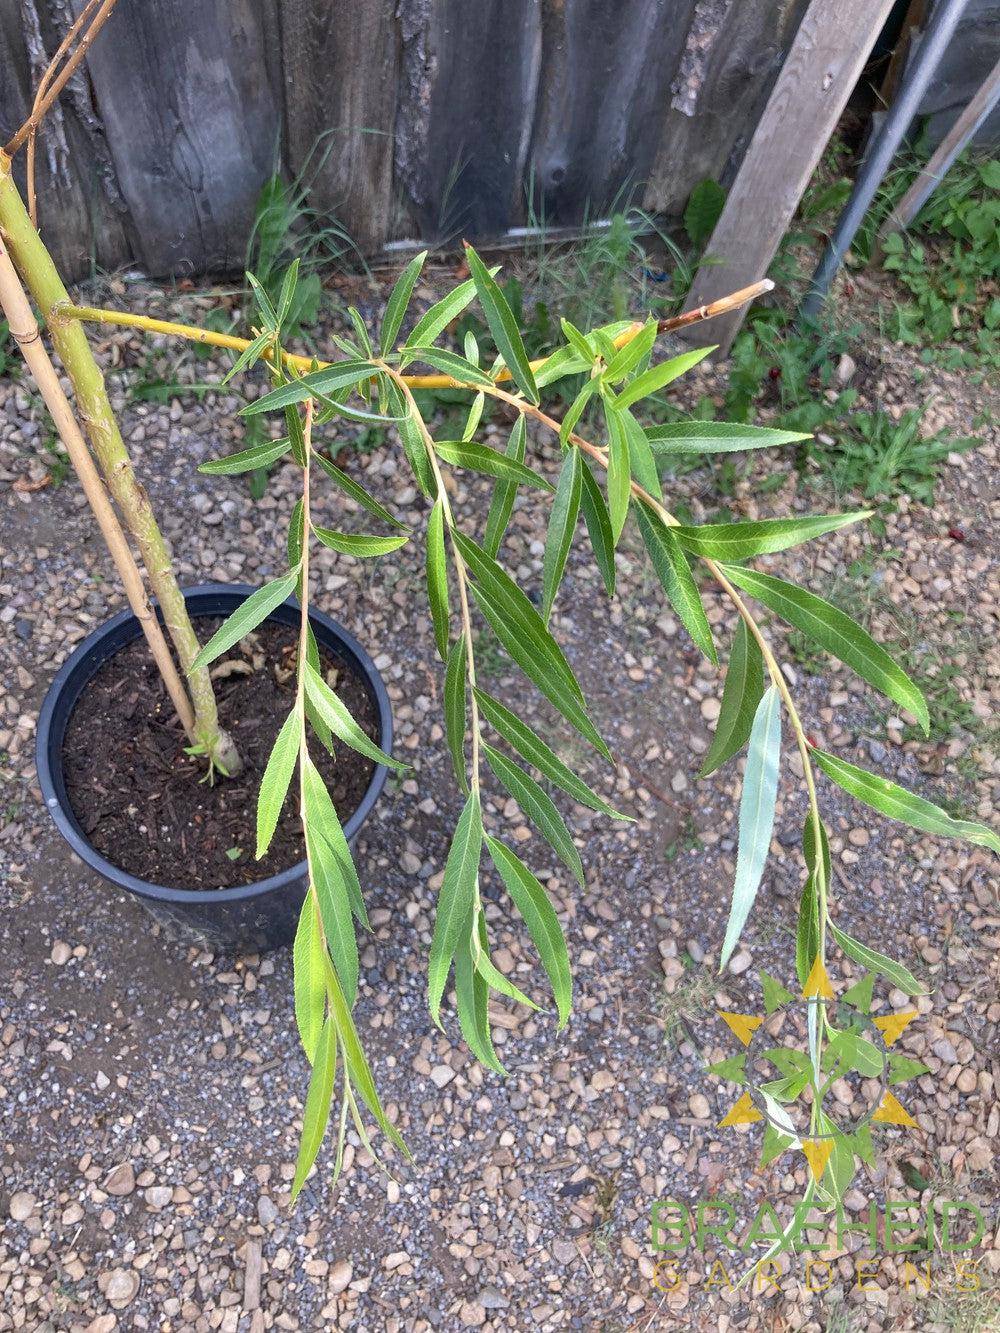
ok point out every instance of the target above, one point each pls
(606, 484)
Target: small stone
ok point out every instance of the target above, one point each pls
(61, 953)
(491, 1299)
(158, 1196)
(740, 962)
(121, 1180)
(441, 1075)
(710, 709)
(340, 1275)
(698, 1105)
(267, 1210)
(966, 1081)
(121, 1288)
(471, 1314)
(565, 1251)
(101, 1080)
(603, 1080)
(22, 1205)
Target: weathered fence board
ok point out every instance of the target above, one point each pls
(816, 79)
(406, 118)
(341, 69)
(192, 125)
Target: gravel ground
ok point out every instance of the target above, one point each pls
(151, 1093)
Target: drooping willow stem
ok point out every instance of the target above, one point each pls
(209, 337)
(773, 667)
(35, 267)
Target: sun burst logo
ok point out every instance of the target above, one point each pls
(819, 1100)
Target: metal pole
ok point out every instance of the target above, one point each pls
(900, 115)
(951, 145)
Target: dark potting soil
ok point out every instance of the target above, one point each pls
(138, 796)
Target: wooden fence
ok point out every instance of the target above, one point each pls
(411, 118)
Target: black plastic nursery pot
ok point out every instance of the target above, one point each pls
(250, 917)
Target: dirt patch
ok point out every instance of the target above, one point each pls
(143, 802)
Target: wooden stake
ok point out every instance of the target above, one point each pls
(25, 333)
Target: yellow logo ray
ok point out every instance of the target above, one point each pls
(817, 1153)
(743, 1025)
(890, 1112)
(743, 1113)
(892, 1026)
(817, 983)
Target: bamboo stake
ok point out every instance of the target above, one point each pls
(24, 331)
(34, 264)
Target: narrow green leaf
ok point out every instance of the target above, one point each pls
(578, 342)
(536, 752)
(598, 520)
(740, 697)
(539, 807)
(250, 355)
(743, 541)
(503, 326)
(659, 376)
(361, 329)
(576, 410)
(439, 316)
(437, 579)
(413, 440)
(454, 709)
(450, 363)
(341, 375)
(533, 654)
(837, 633)
(296, 434)
(760, 791)
(562, 526)
(358, 544)
(333, 896)
(716, 437)
(315, 721)
(399, 300)
(481, 458)
(496, 980)
(247, 616)
(619, 473)
(318, 1099)
(539, 915)
(528, 625)
(247, 460)
(357, 1064)
(898, 803)
(356, 492)
(472, 995)
(263, 302)
(288, 285)
(642, 461)
(504, 493)
(878, 962)
(322, 818)
(566, 360)
(455, 900)
(335, 714)
(807, 937)
(475, 416)
(277, 776)
(296, 534)
(309, 974)
(675, 575)
(628, 357)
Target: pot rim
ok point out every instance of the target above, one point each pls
(49, 733)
